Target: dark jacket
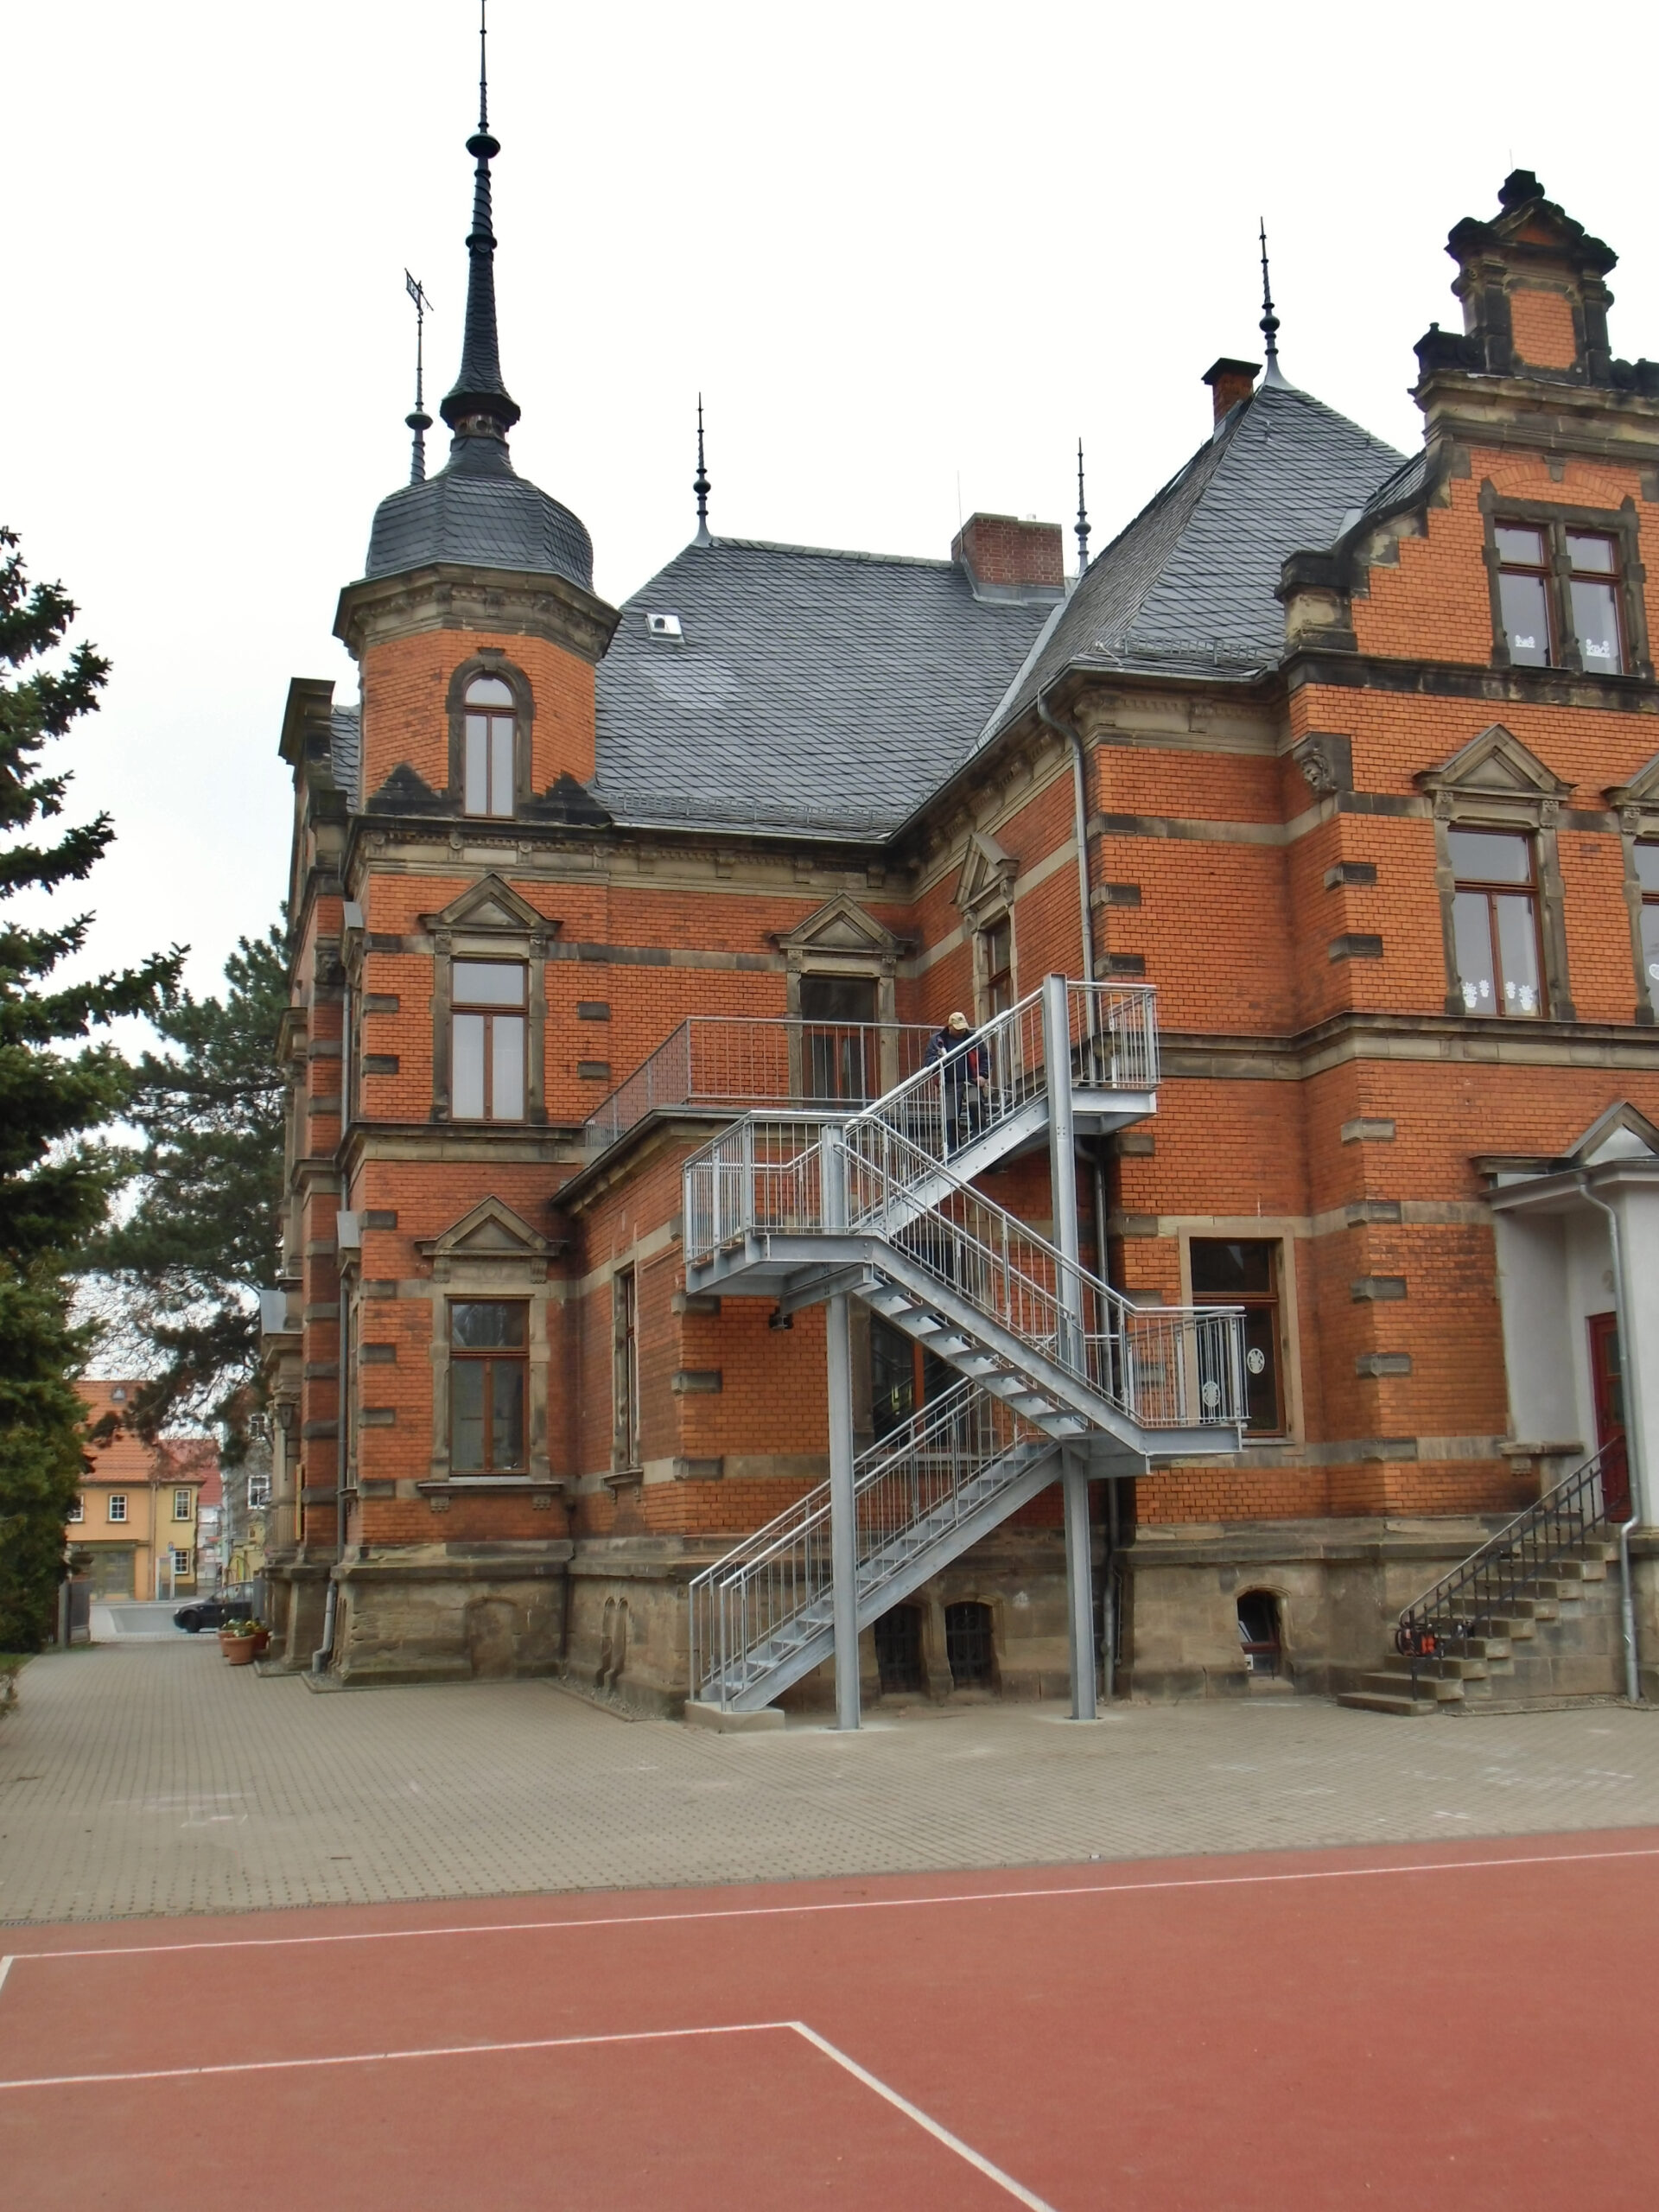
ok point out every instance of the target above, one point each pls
(964, 1056)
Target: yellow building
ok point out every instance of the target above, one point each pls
(136, 1512)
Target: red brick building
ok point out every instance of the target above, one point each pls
(1332, 783)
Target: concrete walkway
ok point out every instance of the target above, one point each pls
(153, 1778)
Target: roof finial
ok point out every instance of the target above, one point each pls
(420, 421)
(700, 486)
(1269, 324)
(1082, 523)
(480, 406)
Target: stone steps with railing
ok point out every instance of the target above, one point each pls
(1531, 1615)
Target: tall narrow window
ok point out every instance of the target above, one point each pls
(181, 1505)
(486, 1080)
(1647, 875)
(489, 734)
(1495, 922)
(839, 1039)
(1246, 1273)
(625, 1401)
(118, 1505)
(488, 1377)
(1593, 587)
(998, 943)
(1523, 596)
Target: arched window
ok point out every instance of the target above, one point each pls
(489, 747)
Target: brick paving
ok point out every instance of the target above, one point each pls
(153, 1778)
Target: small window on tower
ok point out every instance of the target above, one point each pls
(491, 729)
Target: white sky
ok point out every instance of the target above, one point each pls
(894, 244)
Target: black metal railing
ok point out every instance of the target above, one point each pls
(1510, 1565)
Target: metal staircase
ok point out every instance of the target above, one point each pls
(806, 1208)
(763, 1615)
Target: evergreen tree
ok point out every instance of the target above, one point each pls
(55, 1179)
(205, 1233)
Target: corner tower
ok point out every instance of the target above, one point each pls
(474, 563)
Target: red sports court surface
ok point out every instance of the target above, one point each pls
(1471, 2024)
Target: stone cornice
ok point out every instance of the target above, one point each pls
(448, 596)
(1544, 417)
(1446, 1039)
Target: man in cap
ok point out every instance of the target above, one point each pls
(961, 1057)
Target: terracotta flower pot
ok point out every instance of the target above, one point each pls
(261, 1642)
(239, 1649)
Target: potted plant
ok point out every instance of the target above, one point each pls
(243, 1641)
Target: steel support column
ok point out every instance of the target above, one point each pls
(1063, 1187)
(843, 1508)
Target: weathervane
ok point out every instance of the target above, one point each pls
(700, 487)
(420, 421)
(1269, 324)
(1082, 523)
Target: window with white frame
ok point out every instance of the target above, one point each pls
(118, 1505)
(78, 1511)
(182, 1505)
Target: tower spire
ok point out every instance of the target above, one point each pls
(420, 421)
(1269, 323)
(700, 487)
(1082, 523)
(480, 405)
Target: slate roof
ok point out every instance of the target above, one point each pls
(813, 691)
(478, 510)
(345, 748)
(1190, 583)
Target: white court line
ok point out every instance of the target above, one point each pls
(941, 2134)
(846, 1904)
(5, 1968)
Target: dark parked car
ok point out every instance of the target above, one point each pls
(234, 1603)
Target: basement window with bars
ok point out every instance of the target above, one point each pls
(969, 1647)
(489, 1374)
(1260, 1636)
(899, 1652)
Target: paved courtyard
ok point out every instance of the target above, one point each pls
(152, 1778)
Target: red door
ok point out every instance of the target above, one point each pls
(1607, 1383)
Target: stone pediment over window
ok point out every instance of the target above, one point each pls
(1495, 766)
(842, 928)
(491, 904)
(986, 884)
(490, 1232)
(1642, 792)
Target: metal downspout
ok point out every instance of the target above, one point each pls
(1635, 1456)
(1081, 811)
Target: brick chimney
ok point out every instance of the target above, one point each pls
(1006, 556)
(1229, 382)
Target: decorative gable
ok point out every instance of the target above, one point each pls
(1621, 1133)
(842, 927)
(1495, 765)
(491, 1234)
(490, 905)
(986, 883)
(1641, 794)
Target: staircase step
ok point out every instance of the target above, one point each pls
(1476, 1647)
(1406, 1708)
(1441, 1689)
(1581, 1570)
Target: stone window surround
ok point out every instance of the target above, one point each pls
(1261, 1229)
(984, 896)
(1556, 519)
(985, 920)
(1637, 803)
(524, 941)
(490, 660)
(1523, 814)
(507, 1278)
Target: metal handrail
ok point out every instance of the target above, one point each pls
(743, 1061)
(914, 1480)
(1522, 1553)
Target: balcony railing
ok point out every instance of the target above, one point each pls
(718, 1060)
